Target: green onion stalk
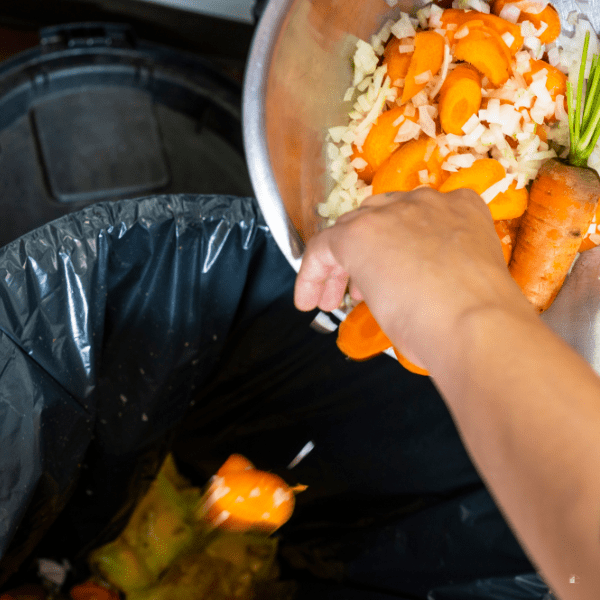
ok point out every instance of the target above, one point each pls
(584, 111)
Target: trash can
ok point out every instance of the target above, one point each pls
(94, 113)
(134, 327)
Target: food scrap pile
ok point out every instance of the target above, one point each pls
(188, 543)
(487, 97)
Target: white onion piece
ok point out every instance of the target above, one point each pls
(403, 27)
(461, 33)
(426, 123)
(498, 188)
(470, 125)
(407, 131)
(510, 12)
(443, 72)
(359, 163)
(424, 77)
(533, 7)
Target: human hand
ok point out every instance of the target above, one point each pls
(421, 260)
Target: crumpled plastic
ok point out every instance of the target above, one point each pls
(138, 327)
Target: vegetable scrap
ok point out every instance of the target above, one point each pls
(478, 96)
(170, 548)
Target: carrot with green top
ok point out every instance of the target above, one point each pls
(562, 200)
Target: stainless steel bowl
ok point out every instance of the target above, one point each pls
(298, 70)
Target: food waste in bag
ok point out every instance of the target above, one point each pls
(188, 543)
(488, 96)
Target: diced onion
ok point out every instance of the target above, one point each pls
(407, 131)
(510, 12)
(359, 163)
(502, 185)
(470, 125)
(423, 77)
(461, 33)
(508, 38)
(403, 27)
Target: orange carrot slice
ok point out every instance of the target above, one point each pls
(482, 50)
(397, 62)
(556, 81)
(549, 16)
(408, 365)
(242, 498)
(510, 204)
(359, 334)
(478, 177)
(459, 17)
(427, 56)
(460, 98)
(400, 172)
(92, 591)
(379, 144)
(503, 232)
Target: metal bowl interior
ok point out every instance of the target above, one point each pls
(298, 70)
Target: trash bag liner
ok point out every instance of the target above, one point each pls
(138, 327)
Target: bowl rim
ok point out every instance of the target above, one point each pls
(254, 131)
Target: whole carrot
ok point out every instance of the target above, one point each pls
(562, 201)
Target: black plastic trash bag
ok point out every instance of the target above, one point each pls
(167, 323)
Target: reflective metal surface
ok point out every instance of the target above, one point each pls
(299, 68)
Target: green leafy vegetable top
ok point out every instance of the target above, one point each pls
(584, 112)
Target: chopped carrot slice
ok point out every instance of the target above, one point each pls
(482, 50)
(92, 591)
(400, 172)
(460, 98)
(478, 177)
(427, 56)
(503, 232)
(397, 62)
(510, 204)
(408, 365)
(359, 334)
(459, 17)
(549, 16)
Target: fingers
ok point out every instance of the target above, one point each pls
(321, 281)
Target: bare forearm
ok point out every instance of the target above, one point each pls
(528, 408)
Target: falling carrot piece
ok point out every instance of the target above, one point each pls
(501, 26)
(242, 498)
(460, 98)
(427, 56)
(235, 464)
(359, 334)
(397, 62)
(510, 204)
(480, 49)
(400, 172)
(562, 202)
(549, 16)
(482, 174)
